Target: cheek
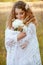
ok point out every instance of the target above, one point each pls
(21, 16)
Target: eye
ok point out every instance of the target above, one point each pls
(21, 13)
(16, 13)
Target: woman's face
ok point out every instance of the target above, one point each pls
(20, 14)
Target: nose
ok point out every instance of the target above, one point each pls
(19, 16)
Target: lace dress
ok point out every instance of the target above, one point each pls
(18, 56)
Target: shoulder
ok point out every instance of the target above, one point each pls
(32, 25)
(10, 31)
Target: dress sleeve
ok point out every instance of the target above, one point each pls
(10, 38)
(31, 33)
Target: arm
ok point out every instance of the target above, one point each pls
(21, 35)
(30, 34)
(12, 37)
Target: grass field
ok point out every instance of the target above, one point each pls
(3, 18)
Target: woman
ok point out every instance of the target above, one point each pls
(18, 53)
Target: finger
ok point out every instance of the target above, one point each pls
(23, 46)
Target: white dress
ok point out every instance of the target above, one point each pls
(18, 56)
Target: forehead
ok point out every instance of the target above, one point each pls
(18, 10)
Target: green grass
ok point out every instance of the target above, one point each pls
(40, 39)
(2, 37)
(3, 18)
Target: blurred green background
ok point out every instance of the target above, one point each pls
(5, 9)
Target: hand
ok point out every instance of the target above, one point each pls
(21, 35)
(23, 45)
(20, 29)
